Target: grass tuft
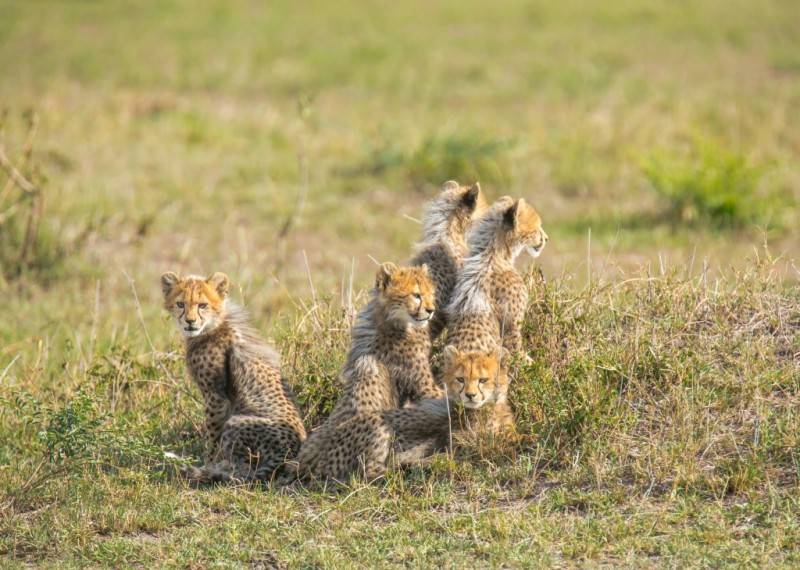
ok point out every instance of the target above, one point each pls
(466, 157)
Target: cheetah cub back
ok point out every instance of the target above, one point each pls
(387, 370)
(488, 281)
(443, 246)
(252, 425)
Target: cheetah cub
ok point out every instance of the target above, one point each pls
(387, 368)
(488, 281)
(443, 247)
(478, 381)
(251, 421)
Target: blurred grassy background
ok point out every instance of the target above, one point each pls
(182, 134)
(288, 142)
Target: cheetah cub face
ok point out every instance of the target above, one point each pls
(476, 378)
(523, 227)
(197, 304)
(406, 293)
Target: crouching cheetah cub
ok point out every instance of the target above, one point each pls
(252, 424)
(478, 381)
(387, 368)
(443, 246)
(488, 281)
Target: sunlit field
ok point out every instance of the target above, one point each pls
(293, 146)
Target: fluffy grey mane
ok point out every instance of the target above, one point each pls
(469, 294)
(364, 331)
(248, 339)
(436, 222)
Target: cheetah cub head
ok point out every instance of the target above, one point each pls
(197, 303)
(460, 203)
(476, 378)
(522, 227)
(406, 294)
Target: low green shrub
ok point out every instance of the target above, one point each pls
(707, 183)
(466, 157)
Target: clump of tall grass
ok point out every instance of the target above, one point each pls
(670, 383)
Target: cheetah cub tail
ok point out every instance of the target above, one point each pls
(420, 429)
(228, 472)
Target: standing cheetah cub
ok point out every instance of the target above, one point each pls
(443, 246)
(252, 422)
(488, 281)
(387, 367)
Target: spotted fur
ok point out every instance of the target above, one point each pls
(252, 424)
(443, 246)
(387, 368)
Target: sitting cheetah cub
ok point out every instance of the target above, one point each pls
(443, 244)
(478, 381)
(488, 281)
(387, 368)
(252, 423)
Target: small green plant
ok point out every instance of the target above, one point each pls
(711, 184)
(74, 431)
(71, 437)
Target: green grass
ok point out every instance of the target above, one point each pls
(287, 145)
(659, 425)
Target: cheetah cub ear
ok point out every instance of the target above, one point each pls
(450, 185)
(511, 215)
(470, 198)
(220, 283)
(168, 281)
(384, 275)
(450, 353)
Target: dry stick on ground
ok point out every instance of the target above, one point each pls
(315, 308)
(300, 201)
(449, 421)
(14, 175)
(31, 226)
(6, 369)
(16, 178)
(36, 480)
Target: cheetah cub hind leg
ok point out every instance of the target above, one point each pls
(252, 448)
(357, 446)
